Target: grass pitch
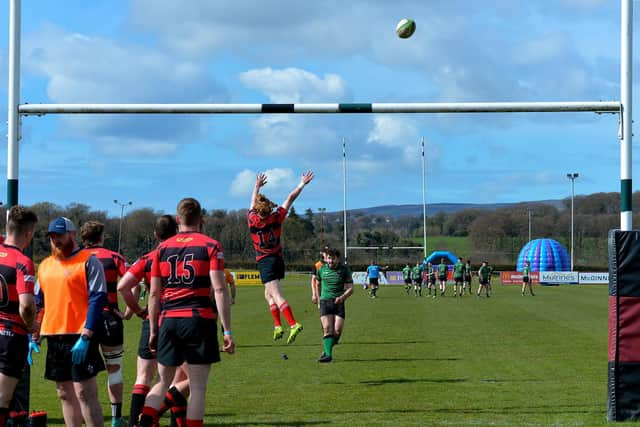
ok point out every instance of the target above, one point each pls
(405, 361)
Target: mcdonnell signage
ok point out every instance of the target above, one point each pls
(559, 277)
(594, 278)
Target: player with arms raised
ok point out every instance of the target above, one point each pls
(265, 226)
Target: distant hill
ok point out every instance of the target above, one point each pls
(447, 208)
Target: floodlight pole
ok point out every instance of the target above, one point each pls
(344, 187)
(122, 205)
(424, 204)
(322, 211)
(13, 104)
(572, 176)
(626, 120)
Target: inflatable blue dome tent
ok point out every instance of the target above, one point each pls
(435, 257)
(544, 255)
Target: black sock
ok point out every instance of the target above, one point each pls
(4, 415)
(137, 403)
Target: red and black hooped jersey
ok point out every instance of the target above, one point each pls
(141, 269)
(114, 266)
(17, 276)
(265, 232)
(183, 263)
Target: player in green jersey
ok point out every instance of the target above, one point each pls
(442, 276)
(336, 285)
(458, 274)
(431, 279)
(484, 273)
(416, 276)
(526, 280)
(406, 275)
(466, 281)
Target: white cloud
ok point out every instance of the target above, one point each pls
(463, 55)
(243, 183)
(296, 136)
(392, 131)
(396, 133)
(294, 85)
(86, 69)
(279, 180)
(200, 27)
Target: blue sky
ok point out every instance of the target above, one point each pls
(155, 51)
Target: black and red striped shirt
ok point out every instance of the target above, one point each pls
(265, 232)
(114, 266)
(141, 269)
(17, 276)
(183, 263)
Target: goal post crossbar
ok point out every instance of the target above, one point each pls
(324, 108)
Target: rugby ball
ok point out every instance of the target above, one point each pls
(405, 28)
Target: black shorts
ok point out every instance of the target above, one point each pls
(59, 366)
(373, 281)
(417, 281)
(328, 307)
(483, 281)
(188, 339)
(467, 279)
(525, 279)
(143, 345)
(442, 278)
(457, 280)
(112, 333)
(13, 353)
(407, 281)
(432, 280)
(271, 268)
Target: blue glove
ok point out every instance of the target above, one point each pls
(79, 350)
(33, 346)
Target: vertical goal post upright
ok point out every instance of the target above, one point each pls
(344, 208)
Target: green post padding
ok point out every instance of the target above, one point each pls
(12, 193)
(355, 108)
(625, 195)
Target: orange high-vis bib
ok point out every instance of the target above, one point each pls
(66, 297)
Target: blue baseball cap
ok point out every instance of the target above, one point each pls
(61, 225)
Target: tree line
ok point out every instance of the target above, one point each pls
(497, 235)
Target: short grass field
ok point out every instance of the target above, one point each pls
(404, 361)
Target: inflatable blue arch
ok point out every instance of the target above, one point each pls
(544, 255)
(435, 257)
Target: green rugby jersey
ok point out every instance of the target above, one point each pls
(332, 280)
(406, 273)
(525, 271)
(484, 272)
(442, 269)
(417, 272)
(458, 269)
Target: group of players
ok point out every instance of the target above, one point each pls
(73, 304)
(434, 278)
